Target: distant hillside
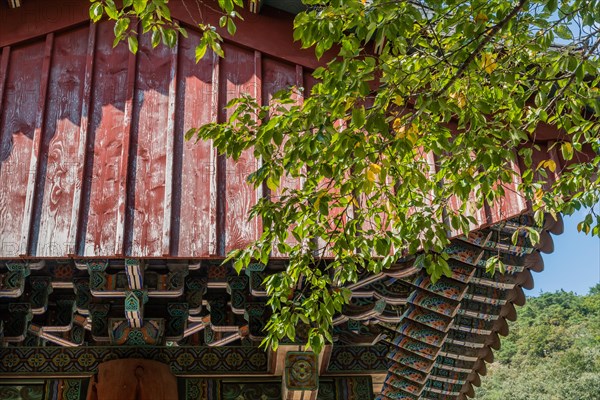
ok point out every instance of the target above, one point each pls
(552, 352)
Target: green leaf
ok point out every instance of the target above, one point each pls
(132, 42)
(216, 47)
(170, 37)
(291, 332)
(111, 9)
(358, 117)
(534, 236)
(139, 6)
(231, 28)
(563, 32)
(551, 5)
(515, 237)
(226, 5)
(155, 38)
(272, 184)
(96, 11)
(182, 31)
(566, 149)
(200, 51)
(121, 27)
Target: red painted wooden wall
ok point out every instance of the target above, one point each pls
(93, 162)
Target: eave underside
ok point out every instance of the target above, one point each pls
(432, 339)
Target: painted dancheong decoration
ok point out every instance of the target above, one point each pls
(113, 228)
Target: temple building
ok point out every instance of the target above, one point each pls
(113, 229)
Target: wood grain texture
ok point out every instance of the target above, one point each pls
(105, 149)
(194, 176)
(78, 195)
(238, 75)
(18, 128)
(150, 135)
(28, 226)
(170, 143)
(276, 76)
(60, 152)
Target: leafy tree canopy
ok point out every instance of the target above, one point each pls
(552, 351)
(425, 104)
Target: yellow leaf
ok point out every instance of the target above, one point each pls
(318, 200)
(549, 164)
(460, 98)
(539, 194)
(397, 125)
(373, 172)
(399, 101)
(272, 184)
(567, 150)
(481, 17)
(488, 62)
(409, 134)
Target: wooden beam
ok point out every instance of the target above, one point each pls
(301, 376)
(203, 357)
(255, 6)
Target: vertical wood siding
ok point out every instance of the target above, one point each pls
(93, 160)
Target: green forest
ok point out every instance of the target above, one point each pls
(552, 351)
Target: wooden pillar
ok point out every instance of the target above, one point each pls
(133, 379)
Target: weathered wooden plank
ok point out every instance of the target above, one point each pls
(214, 186)
(75, 225)
(6, 249)
(18, 122)
(3, 72)
(61, 146)
(27, 223)
(150, 130)
(108, 141)
(126, 175)
(194, 185)
(238, 76)
(278, 75)
(170, 146)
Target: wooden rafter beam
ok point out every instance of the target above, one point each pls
(255, 5)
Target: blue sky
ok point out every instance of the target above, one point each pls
(575, 263)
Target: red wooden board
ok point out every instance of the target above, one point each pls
(195, 173)
(19, 117)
